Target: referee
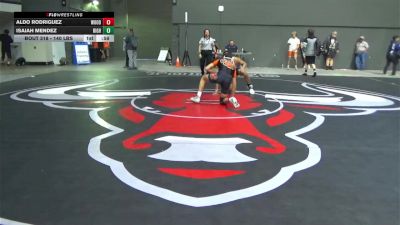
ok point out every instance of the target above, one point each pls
(206, 49)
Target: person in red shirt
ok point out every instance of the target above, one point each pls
(106, 49)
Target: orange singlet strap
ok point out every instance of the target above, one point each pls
(215, 62)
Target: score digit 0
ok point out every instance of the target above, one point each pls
(108, 30)
(108, 21)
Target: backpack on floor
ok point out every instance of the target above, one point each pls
(20, 61)
(63, 61)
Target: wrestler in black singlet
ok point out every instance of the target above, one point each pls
(226, 71)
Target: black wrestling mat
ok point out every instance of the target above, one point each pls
(131, 148)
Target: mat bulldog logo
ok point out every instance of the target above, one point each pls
(160, 143)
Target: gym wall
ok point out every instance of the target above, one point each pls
(151, 21)
(263, 26)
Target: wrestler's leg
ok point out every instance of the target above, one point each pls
(243, 72)
(203, 81)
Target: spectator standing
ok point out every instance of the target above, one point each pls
(361, 53)
(311, 48)
(330, 48)
(294, 45)
(6, 41)
(106, 47)
(131, 45)
(126, 53)
(393, 55)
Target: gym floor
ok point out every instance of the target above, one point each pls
(101, 145)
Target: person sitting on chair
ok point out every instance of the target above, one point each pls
(231, 48)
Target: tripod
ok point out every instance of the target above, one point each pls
(186, 57)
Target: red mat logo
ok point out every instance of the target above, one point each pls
(206, 154)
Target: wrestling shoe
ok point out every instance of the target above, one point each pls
(234, 102)
(251, 89)
(195, 99)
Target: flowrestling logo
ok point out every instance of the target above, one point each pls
(162, 144)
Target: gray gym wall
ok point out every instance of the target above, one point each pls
(263, 26)
(7, 22)
(151, 21)
(55, 5)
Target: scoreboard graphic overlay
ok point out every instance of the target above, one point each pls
(64, 26)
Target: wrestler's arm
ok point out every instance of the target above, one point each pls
(200, 50)
(233, 91)
(242, 63)
(210, 66)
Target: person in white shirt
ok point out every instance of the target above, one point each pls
(361, 52)
(206, 49)
(294, 44)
